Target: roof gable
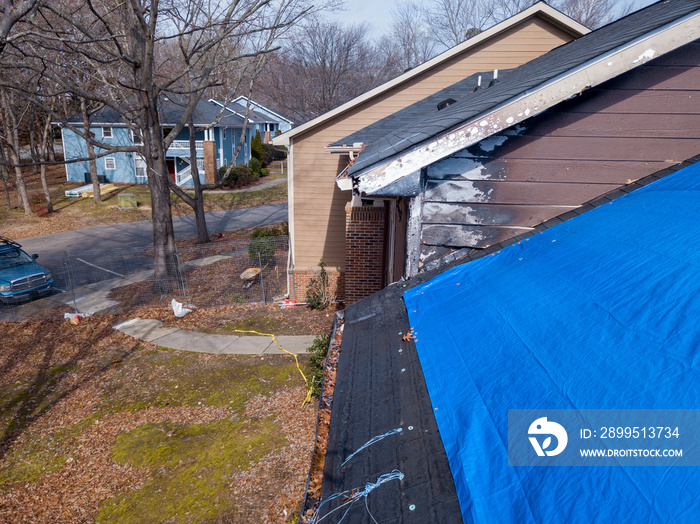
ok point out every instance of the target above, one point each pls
(427, 135)
(261, 109)
(541, 10)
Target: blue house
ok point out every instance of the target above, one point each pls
(225, 130)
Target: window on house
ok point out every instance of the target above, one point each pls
(106, 132)
(136, 139)
(110, 163)
(224, 133)
(140, 167)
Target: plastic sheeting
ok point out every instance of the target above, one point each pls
(600, 312)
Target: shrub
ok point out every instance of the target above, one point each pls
(255, 167)
(318, 294)
(239, 175)
(264, 172)
(256, 148)
(272, 153)
(317, 362)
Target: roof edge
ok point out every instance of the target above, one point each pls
(539, 9)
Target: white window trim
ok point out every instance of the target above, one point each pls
(134, 139)
(114, 163)
(137, 161)
(108, 134)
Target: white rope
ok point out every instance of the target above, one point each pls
(354, 495)
(372, 441)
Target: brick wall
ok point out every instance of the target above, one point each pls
(364, 251)
(336, 281)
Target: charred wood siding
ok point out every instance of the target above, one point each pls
(628, 128)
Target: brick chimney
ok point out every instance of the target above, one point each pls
(210, 167)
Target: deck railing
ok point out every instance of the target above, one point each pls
(185, 144)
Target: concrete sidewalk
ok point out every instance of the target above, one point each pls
(153, 331)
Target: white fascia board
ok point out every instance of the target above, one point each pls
(344, 184)
(560, 19)
(535, 101)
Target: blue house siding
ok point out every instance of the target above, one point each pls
(75, 147)
(243, 155)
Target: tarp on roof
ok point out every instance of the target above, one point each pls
(600, 312)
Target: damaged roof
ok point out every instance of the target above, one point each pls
(381, 376)
(616, 48)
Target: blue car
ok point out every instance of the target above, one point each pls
(21, 278)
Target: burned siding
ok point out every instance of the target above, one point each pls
(610, 136)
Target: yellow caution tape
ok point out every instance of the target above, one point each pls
(309, 389)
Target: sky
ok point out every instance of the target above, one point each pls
(377, 13)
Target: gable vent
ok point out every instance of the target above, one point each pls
(445, 103)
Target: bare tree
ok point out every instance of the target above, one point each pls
(412, 35)
(11, 12)
(85, 111)
(323, 65)
(595, 13)
(12, 113)
(454, 21)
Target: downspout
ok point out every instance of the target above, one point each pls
(290, 218)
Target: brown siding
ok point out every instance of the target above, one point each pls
(640, 123)
(318, 206)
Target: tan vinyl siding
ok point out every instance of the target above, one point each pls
(318, 206)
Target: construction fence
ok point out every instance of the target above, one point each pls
(206, 275)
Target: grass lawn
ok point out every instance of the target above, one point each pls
(96, 426)
(72, 213)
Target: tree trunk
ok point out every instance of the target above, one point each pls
(165, 254)
(44, 147)
(19, 177)
(91, 154)
(5, 176)
(33, 145)
(12, 136)
(200, 217)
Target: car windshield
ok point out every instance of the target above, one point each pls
(13, 257)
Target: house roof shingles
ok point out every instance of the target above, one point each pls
(204, 114)
(422, 121)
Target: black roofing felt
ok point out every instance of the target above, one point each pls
(380, 386)
(413, 125)
(204, 114)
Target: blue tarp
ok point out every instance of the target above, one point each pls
(600, 312)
